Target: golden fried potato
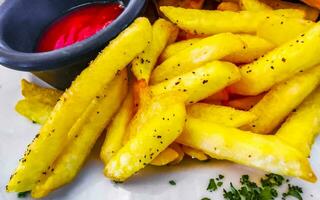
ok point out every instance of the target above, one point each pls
(144, 63)
(220, 96)
(165, 157)
(164, 123)
(195, 4)
(73, 103)
(116, 131)
(210, 22)
(201, 82)
(279, 64)
(303, 125)
(228, 6)
(70, 161)
(223, 115)
(178, 149)
(245, 103)
(313, 3)
(253, 5)
(254, 48)
(280, 30)
(264, 152)
(206, 50)
(277, 104)
(194, 153)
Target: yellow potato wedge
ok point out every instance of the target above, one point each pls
(69, 163)
(162, 127)
(279, 64)
(201, 82)
(144, 63)
(254, 48)
(223, 115)
(270, 113)
(264, 152)
(40, 94)
(117, 129)
(195, 4)
(311, 13)
(165, 157)
(208, 49)
(280, 30)
(178, 149)
(194, 153)
(34, 110)
(245, 103)
(229, 6)
(253, 5)
(174, 48)
(210, 22)
(303, 125)
(46, 148)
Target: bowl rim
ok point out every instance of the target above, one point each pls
(55, 59)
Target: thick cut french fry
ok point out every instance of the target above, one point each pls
(117, 129)
(283, 62)
(280, 30)
(34, 110)
(177, 147)
(313, 3)
(40, 94)
(220, 96)
(52, 136)
(210, 22)
(303, 125)
(254, 48)
(174, 48)
(245, 103)
(228, 6)
(311, 13)
(162, 127)
(165, 157)
(223, 115)
(290, 93)
(265, 152)
(195, 153)
(201, 82)
(195, 4)
(254, 5)
(206, 50)
(144, 63)
(69, 163)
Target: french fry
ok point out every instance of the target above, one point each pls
(254, 48)
(280, 30)
(69, 163)
(40, 94)
(245, 103)
(201, 82)
(165, 157)
(210, 22)
(195, 4)
(178, 149)
(144, 63)
(195, 153)
(313, 3)
(279, 64)
(206, 50)
(253, 5)
(47, 146)
(116, 131)
(311, 13)
(219, 96)
(290, 93)
(223, 115)
(172, 49)
(34, 110)
(162, 127)
(264, 152)
(228, 6)
(303, 125)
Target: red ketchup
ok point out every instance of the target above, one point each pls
(78, 25)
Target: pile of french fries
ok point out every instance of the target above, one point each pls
(242, 85)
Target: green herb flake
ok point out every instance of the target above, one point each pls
(212, 186)
(172, 182)
(293, 191)
(205, 198)
(23, 194)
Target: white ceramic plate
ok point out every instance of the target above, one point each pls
(150, 184)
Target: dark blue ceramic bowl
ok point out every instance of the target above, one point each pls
(23, 21)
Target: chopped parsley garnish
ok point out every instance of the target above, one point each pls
(205, 198)
(23, 194)
(212, 186)
(172, 182)
(293, 191)
(272, 180)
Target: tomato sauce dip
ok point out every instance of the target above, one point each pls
(77, 25)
